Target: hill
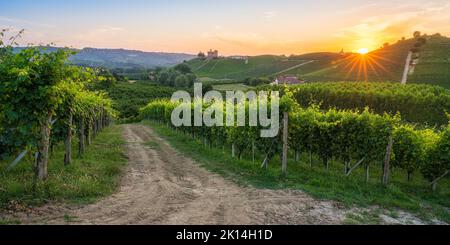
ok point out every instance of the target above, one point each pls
(387, 64)
(434, 63)
(236, 69)
(384, 64)
(122, 58)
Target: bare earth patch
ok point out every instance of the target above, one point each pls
(162, 186)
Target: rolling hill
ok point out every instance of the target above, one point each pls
(234, 69)
(384, 64)
(434, 63)
(122, 58)
(387, 64)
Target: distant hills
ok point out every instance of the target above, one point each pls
(387, 64)
(122, 58)
(384, 64)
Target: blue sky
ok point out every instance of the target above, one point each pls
(234, 27)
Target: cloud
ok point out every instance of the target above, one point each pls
(17, 21)
(388, 23)
(270, 14)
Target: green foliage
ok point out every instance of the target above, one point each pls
(128, 98)
(30, 90)
(417, 103)
(318, 182)
(183, 68)
(342, 135)
(437, 161)
(179, 76)
(257, 81)
(85, 180)
(238, 69)
(39, 87)
(408, 148)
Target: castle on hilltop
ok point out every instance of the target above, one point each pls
(212, 54)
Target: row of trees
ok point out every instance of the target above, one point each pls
(417, 103)
(351, 137)
(43, 101)
(179, 76)
(257, 81)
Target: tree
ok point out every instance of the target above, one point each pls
(422, 40)
(163, 78)
(416, 34)
(191, 79)
(201, 54)
(181, 81)
(183, 68)
(206, 88)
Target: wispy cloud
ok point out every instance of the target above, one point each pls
(270, 14)
(388, 23)
(17, 21)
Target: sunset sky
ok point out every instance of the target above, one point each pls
(249, 27)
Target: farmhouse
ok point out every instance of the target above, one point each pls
(287, 80)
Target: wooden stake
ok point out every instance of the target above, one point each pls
(285, 144)
(68, 142)
(43, 147)
(233, 150)
(387, 159)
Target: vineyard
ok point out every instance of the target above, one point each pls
(354, 138)
(416, 103)
(44, 102)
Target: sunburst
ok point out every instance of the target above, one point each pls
(359, 65)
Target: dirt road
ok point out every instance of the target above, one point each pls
(162, 186)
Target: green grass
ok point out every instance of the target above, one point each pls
(331, 184)
(9, 222)
(364, 218)
(85, 180)
(231, 87)
(152, 144)
(226, 68)
(434, 63)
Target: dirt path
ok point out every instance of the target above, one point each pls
(161, 186)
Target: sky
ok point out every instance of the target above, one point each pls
(245, 27)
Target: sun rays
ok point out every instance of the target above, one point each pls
(364, 65)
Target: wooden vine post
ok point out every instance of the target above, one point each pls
(68, 142)
(43, 147)
(434, 182)
(387, 159)
(253, 151)
(81, 137)
(285, 144)
(233, 150)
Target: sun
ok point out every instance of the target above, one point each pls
(363, 51)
